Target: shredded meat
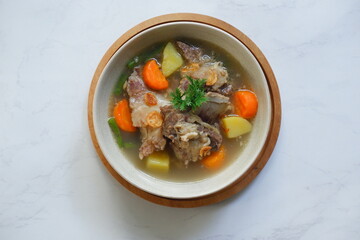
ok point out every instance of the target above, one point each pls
(142, 114)
(190, 138)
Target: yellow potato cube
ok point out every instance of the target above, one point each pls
(235, 126)
(158, 162)
(172, 60)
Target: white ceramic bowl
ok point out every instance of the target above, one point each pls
(191, 189)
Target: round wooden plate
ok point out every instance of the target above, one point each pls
(269, 145)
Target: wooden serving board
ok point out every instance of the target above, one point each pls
(269, 145)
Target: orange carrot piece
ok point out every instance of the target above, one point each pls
(215, 160)
(245, 103)
(122, 116)
(153, 76)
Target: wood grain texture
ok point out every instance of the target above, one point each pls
(269, 145)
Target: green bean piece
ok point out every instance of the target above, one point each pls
(119, 87)
(133, 62)
(117, 134)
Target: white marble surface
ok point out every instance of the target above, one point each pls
(53, 186)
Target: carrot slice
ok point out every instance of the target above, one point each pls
(215, 160)
(245, 103)
(122, 116)
(153, 76)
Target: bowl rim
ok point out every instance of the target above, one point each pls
(273, 133)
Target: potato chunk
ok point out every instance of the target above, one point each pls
(235, 126)
(172, 60)
(158, 162)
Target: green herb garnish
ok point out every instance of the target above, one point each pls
(192, 98)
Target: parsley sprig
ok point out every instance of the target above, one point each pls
(192, 97)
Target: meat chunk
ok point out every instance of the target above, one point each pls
(215, 74)
(215, 106)
(142, 114)
(151, 140)
(190, 138)
(190, 53)
(226, 89)
(201, 66)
